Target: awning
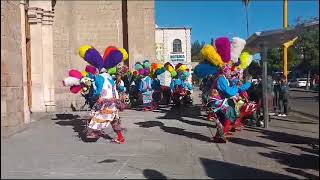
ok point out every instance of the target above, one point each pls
(275, 38)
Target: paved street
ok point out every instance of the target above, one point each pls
(305, 102)
(167, 144)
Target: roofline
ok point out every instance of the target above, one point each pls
(174, 28)
(267, 32)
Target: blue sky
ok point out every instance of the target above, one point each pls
(211, 19)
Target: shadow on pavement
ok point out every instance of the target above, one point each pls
(302, 161)
(174, 130)
(284, 137)
(223, 170)
(308, 150)
(301, 173)
(78, 125)
(153, 174)
(177, 113)
(72, 120)
(65, 116)
(107, 161)
(250, 143)
(136, 108)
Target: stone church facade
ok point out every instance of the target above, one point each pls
(40, 41)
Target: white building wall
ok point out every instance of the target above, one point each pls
(159, 40)
(164, 38)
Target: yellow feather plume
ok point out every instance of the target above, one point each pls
(83, 49)
(210, 54)
(182, 68)
(124, 53)
(170, 69)
(245, 60)
(84, 73)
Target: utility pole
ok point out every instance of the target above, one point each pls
(265, 85)
(285, 48)
(246, 4)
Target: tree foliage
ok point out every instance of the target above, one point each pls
(307, 46)
(302, 56)
(195, 51)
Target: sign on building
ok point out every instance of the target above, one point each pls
(177, 58)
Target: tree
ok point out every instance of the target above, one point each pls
(293, 58)
(308, 48)
(195, 51)
(195, 48)
(274, 56)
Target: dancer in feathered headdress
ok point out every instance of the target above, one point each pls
(221, 63)
(156, 71)
(181, 89)
(145, 84)
(96, 84)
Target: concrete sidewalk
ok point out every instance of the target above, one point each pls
(168, 144)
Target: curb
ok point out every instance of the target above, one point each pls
(305, 114)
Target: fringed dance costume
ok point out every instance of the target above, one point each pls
(146, 91)
(106, 110)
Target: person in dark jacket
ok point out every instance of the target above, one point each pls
(283, 98)
(276, 92)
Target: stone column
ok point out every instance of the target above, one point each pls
(40, 16)
(47, 58)
(26, 111)
(35, 19)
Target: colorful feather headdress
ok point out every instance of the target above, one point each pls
(224, 55)
(111, 58)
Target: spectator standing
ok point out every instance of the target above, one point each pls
(276, 92)
(283, 98)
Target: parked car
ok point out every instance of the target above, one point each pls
(299, 82)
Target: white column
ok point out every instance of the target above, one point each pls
(47, 58)
(41, 19)
(35, 18)
(26, 111)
